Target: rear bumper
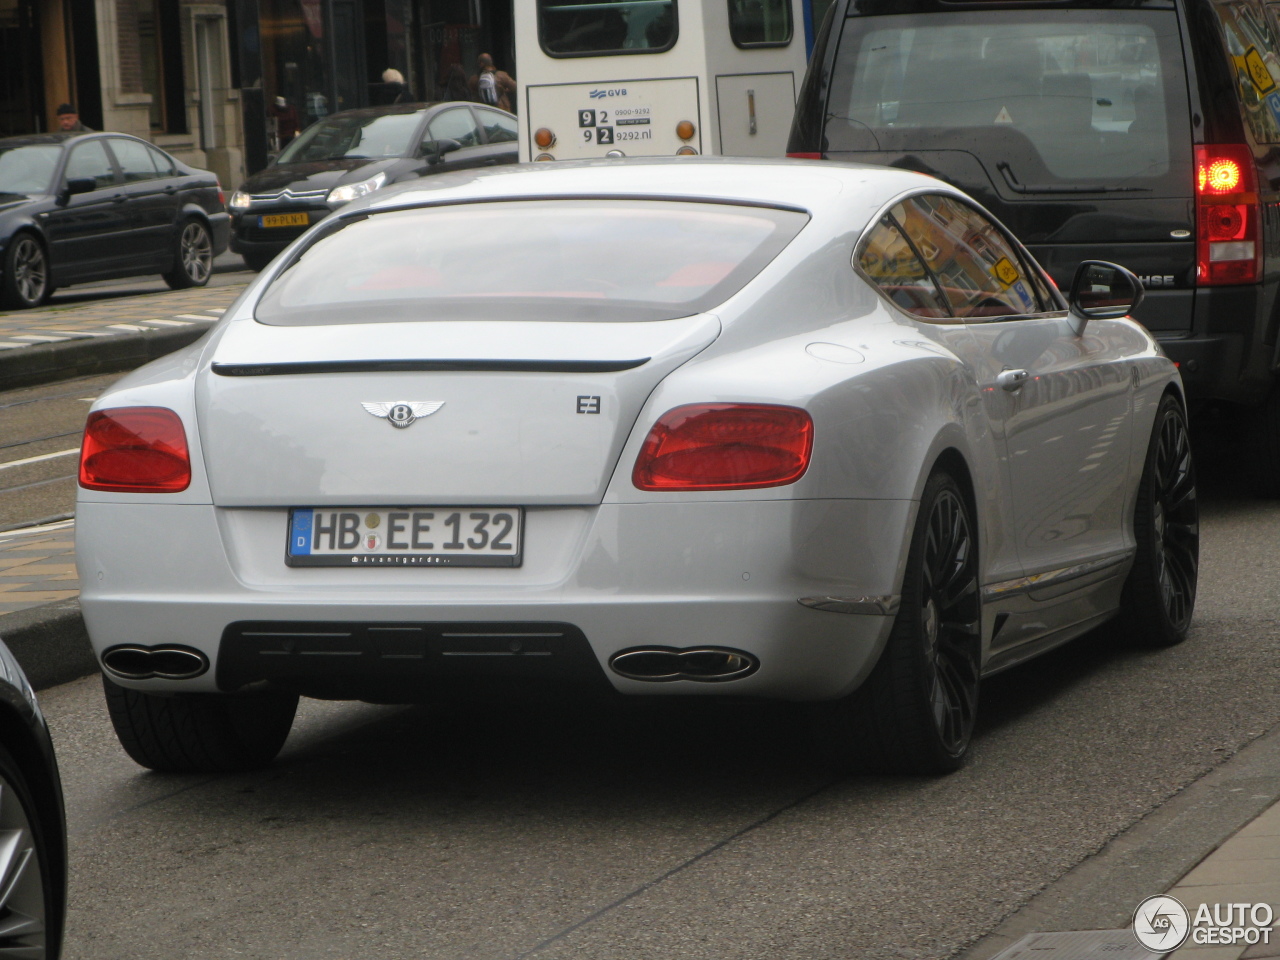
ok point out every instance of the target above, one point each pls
(220, 227)
(725, 574)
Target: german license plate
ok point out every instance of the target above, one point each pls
(285, 220)
(405, 537)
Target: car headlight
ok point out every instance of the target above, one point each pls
(349, 191)
(240, 201)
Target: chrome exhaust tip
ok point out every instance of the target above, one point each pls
(699, 664)
(168, 662)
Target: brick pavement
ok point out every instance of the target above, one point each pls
(37, 566)
(117, 317)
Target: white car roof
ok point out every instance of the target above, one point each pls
(815, 186)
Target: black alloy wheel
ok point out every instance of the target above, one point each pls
(1160, 594)
(193, 258)
(915, 713)
(28, 903)
(25, 283)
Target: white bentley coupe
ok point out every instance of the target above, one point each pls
(706, 427)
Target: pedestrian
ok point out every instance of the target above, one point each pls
(455, 87)
(492, 86)
(69, 120)
(286, 118)
(395, 90)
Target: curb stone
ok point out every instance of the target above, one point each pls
(48, 362)
(50, 642)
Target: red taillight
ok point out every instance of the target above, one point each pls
(725, 446)
(805, 156)
(135, 450)
(222, 197)
(1228, 216)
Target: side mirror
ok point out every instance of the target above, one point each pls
(436, 149)
(1103, 291)
(80, 185)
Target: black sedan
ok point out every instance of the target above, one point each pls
(350, 154)
(33, 829)
(79, 207)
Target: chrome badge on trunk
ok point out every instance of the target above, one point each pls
(402, 413)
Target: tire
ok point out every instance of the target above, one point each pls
(199, 733)
(257, 262)
(1160, 593)
(32, 907)
(915, 712)
(25, 282)
(192, 257)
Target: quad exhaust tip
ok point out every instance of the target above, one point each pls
(699, 664)
(167, 662)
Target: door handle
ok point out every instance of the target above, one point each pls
(171, 190)
(119, 198)
(1012, 379)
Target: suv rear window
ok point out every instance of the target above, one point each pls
(1051, 100)
(531, 260)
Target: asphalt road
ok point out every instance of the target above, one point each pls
(227, 268)
(649, 830)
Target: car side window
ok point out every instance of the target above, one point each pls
(90, 159)
(134, 159)
(980, 272)
(893, 266)
(163, 162)
(498, 127)
(456, 124)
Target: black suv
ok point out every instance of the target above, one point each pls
(1144, 132)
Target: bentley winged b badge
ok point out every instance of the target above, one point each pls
(401, 413)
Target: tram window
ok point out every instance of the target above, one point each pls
(760, 23)
(581, 28)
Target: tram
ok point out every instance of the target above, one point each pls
(632, 78)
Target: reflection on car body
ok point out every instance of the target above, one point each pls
(824, 434)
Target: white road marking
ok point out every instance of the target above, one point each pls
(190, 316)
(37, 337)
(9, 344)
(169, 323)
(127, 326)
(43, 456)
(43, 528)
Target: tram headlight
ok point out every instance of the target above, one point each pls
(685, 130)
(543, 157)
(686, 151)
(544, 138)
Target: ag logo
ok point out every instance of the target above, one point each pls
(401, 413)
(1161, 924)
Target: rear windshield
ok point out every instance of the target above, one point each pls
(352, 137)
(531, 260)
(1050, 100)
(578, 28)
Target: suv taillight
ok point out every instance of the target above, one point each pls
(135, 450)
(805, 156)
(725, 446)
(1228, 216)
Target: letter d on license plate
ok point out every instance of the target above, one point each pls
(405, 537)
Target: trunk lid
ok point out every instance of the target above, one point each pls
(529, 413)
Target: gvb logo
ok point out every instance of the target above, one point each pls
(1161, 924)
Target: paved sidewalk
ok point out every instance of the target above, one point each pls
(37, 566)
(111, 318)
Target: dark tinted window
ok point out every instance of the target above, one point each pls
(1045, 98)
(498, 127)
(760, 23)
(357, 135)
(134, 159)
(90, 160)
(28, 169)
(568, 28)
(531, 260)
(893, 266)
(979, 271)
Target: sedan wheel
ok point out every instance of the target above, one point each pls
(25, 893)
(26, 274)
(915, 712)
(194, 257)
(1161, 590)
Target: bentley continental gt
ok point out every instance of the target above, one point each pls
(708, 427)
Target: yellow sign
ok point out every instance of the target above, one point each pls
(1258, 71)
(286, 220)
(1005, 272)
